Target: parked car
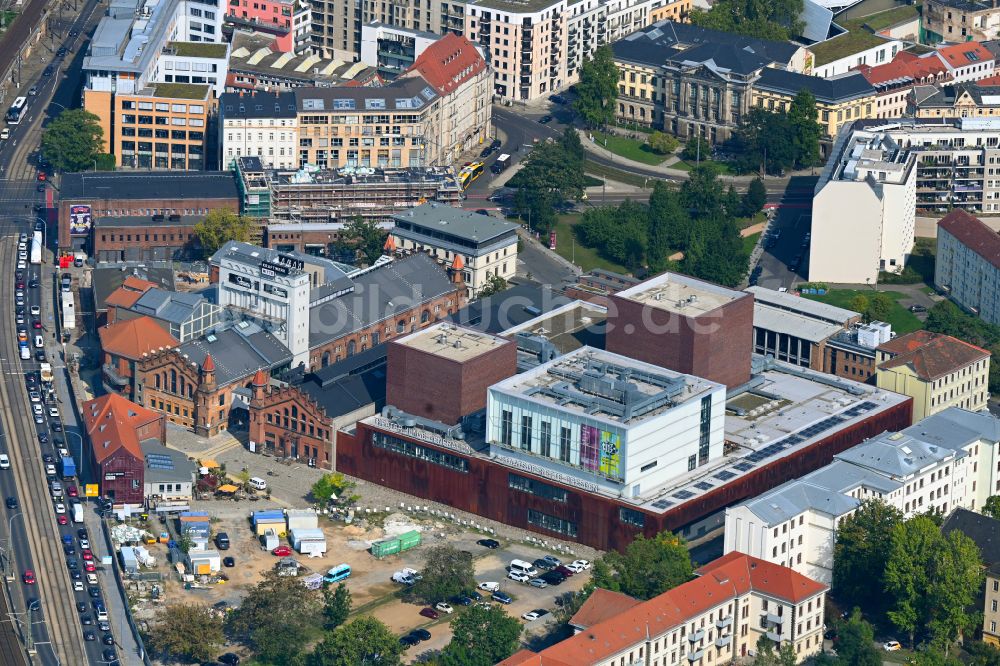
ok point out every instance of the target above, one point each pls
(492, 544)
(546, 119)
(538, 582)
(444, 608)
(531, 616)
(430, 613)
(408, 641)
(891, 646)
(462, 600)
(282, 551)
(501, 597)
(918, 308)
(564, 570)
(489, 586)
(519, 577)
(228, 562)
(422, 634)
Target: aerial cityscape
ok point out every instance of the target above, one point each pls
(500, 332)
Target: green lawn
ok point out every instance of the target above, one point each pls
(628, 148)
(859, 35)
(584, 257)
(617, 175)
(722, 167)
(901, 319)
(750, 242)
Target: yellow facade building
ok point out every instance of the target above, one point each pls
(840, 99)
(937, 371)
(959, 101)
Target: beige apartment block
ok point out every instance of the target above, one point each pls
(960, 20)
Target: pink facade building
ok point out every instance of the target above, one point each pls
(287, 20)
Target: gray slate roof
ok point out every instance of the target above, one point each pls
(438, 224)
(410, 93)
(106, 279)
(173, 306)
(509, 308)
(683, 43)
(252, 255)
(945, 96)
(983, 530)
(834, 90)
(138, 185)
(897, 455)
(182, 471)
(379, 294)
(238, 351)
(258, 105)
(956, 428)
(351, 384)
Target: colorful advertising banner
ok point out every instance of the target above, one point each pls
(600, 451)
(590, 448)
(610, 455)
(79, 220)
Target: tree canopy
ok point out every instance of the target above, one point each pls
(873, 307)
(767, 19)
(859, 556)
(276, 618)
(481, 636)
(494, 285)
(72, 140)
(364, 640)
(365, 237)
(219, 227)
(187, 632)
(447, 572)
(597, 90)
(992, 507)
(552, 173)
(778, 140)
(856, 642)
(333, 486)
(336, 606)
(648, 567)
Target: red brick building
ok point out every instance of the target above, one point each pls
(442, 372)
(116, 428)
(686, 325)
(288, 422)
(123, 344)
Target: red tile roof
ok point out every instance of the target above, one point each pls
(448, 63)
(718, 582)
(972, 232)
(931, 355)
(601, 605)
(905, 64)
(966, 53)
(111, 422)
(134, 337)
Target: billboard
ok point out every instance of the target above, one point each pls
(600, 451)
(80, 219)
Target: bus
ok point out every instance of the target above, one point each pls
(17, 110)
(469, 173)
(337, 573)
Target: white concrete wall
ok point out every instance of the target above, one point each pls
(846, 233)
(876, 55)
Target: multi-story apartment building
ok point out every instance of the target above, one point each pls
(967, 267)
(287, 20)
(893, 81)
(982, 530)
(965, 100)
(960, 21)
(139, 46)
(463, 80)
(937, 371)
(864, 207)
(392, 49)
(717, 618)
(481, 246)
(966, 62)
(940, 464)
(261, 124)
(839, 99)
(694, 81)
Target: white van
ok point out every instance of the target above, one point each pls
(522, 567)
(25, 353)
(5, 133)
(258, 483)
(4, 461)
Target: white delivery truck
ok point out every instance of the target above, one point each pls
(77, 513)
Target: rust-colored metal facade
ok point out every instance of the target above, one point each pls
(483, 488)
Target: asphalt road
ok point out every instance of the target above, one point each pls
(791, 223)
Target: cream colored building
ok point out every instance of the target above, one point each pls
(478, 245)
(937, 371)
(715, 619)
(260, 124)
(960, 21)
(965, 100)
(864, 210)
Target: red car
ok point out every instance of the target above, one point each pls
(41, 176)
(87, 554)
(89, 567)
(28, 577)
(429, 612)
(71, 491)
(282, 551)
(36, 324)
(62, 519)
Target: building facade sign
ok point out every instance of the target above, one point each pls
(80, 220)
(277, 291)
(290, 262)
(538, 470)
(422, 435)
(268, 269)
(242, 281)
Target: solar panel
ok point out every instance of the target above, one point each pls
(743, 466)
(662, 504)
(683, 494)
(703, 485)
(724, 475)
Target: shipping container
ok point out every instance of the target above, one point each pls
(277, 526)
(267, 515)
(129, 561)
(409, 540)
(204, 561)
(385, 547)
(302, 519)
(312, 546)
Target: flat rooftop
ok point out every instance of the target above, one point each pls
(680, 294)
(432, 220)
(805, 306)
(454, 343)
(605, 386)
(792, 323)
(568, 327)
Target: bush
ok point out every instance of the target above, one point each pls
(907, 276)
(662, 143)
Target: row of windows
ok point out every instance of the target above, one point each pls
(128, 105)
(552, 523)
(128, 118)
(537, 488)
(122, 238)
(407, 448)
(180, 135)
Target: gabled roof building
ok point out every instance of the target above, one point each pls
(967, 267)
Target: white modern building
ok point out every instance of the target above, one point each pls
(874, 55)
(621, 424)
(864, 209)
(944, 462)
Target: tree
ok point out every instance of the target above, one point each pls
(754, 198)
(669, 225)
(219, 227)
(697, 149)
(955, 580)
(367, 236)
(765, 19)
(761, 142)
(662, 143)
(702, 191)
(481, 636)
(73, 140)
(648, 567)
(550, 174)
(189, 632)
(619, 232)
(767, 655)
(447, 572)
(992, 507)
(879, 306)
(856, 642)
(597, 90)
(276, 618)
(333, 486)
(806, 130)
(906, 572)
(859, 555)
(494, 285)
(361, 641)
(336, 606)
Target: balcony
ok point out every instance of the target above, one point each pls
(724, 622)
(775, 619)
(969, 188)
(723, 641)
(695, 656)
(773, 636)
(696, 636)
